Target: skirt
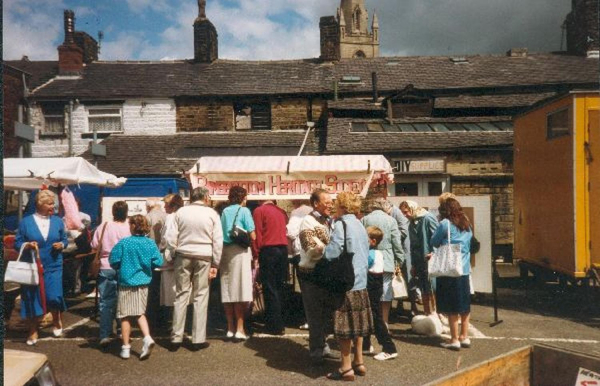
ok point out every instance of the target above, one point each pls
(453, 295)
(31, 301)
(388, 292)
(236, 274)
(132, 301)
(353, 318)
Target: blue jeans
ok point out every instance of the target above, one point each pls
(107, 289)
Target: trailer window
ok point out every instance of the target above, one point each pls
(558, 123)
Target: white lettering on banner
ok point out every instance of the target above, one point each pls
(587, 378)
(274, 185)
(419, 166)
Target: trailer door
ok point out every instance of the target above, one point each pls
(593, 162)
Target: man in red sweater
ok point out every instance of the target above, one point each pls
(271, 248)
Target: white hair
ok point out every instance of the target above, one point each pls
(152, 202)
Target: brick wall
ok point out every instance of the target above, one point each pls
(13, 93)
(330, 38)
(195, 116)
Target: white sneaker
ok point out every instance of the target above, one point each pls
(147, 348)
(451, 346)
(229, 335)
(384, 356)
(57, 332)
(304, 326)
(238, 335)
(105, 342)
(125, 351)
(466, 343)
(370, 351)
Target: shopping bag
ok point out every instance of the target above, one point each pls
(399, 287)
(446, 260)
(21, 272)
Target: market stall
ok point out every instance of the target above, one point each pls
(290, 177)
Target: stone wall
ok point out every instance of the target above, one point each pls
(193, 116)
(582, 27)
(501, 192)
(287, 114)
(330, 38)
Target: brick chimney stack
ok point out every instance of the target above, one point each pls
(206, 43)
(70, 56)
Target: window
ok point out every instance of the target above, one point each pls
(558, 123)
(104, 119)
(54, 119)
(255, 116)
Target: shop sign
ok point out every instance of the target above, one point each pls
(419, 166)
(280, 185)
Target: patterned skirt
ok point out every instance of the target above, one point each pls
(132, 301)
(353, 318)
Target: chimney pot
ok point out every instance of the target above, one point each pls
(69, 26)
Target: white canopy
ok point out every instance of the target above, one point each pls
(289, 177)
(32, 173)
(293, 164)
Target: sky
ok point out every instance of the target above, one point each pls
(281, 29)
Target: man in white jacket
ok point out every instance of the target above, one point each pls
(195, 238)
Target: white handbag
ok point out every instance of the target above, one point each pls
(399, 287)
(446, 260)
(22, 273)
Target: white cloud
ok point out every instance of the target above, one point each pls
(31, 29)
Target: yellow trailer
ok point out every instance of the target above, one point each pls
(557, 185)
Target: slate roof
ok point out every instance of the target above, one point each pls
(341, 139)
(311, 76)
(40, 71)
(483, 101)
(168, 155)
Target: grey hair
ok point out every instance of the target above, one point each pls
(152, 202)
(378, 203)
(198, 194)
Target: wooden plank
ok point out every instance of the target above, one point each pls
(512, 368)
(557, 366)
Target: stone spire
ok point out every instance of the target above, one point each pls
(375, 21)
(201, 9)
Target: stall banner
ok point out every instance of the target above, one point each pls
(266, 186)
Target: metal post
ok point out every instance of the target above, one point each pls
(495, 294)
(21, 146)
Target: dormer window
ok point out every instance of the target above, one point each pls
(411, 106)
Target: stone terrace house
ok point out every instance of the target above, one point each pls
(445, 122)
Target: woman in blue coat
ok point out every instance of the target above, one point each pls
(46, 232)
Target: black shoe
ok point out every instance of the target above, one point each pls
(199, 346)
(276, 332)
(174, 346)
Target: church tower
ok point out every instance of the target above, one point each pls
(347, 34)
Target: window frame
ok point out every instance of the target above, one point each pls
(53, 110)
(89, 109)
(558, 132)
(265, 106)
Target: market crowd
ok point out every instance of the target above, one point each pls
(348, 256)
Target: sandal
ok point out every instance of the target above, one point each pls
(341, 375)
(359, 369)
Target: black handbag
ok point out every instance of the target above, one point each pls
(475, 245)
(336, 275)
(238, 235)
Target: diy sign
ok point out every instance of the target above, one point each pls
(282, 185)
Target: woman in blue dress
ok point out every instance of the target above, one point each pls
(454, 293)
(46, 232)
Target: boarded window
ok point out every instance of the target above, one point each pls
(558, 123)
(255, 116)
(104, 119)
(54, 119)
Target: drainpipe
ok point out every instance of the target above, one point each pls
(70, 154)
(21, 145)
(375, 89)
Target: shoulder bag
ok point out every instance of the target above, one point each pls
(446, 260)
(238, 235)
(94, 269)
(21, 272)
(336, 275)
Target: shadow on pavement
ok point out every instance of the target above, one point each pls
(288, 355)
